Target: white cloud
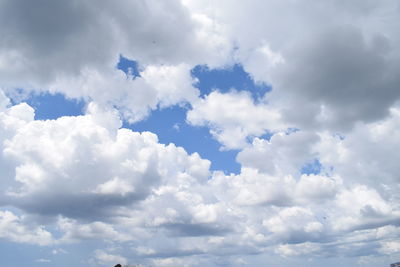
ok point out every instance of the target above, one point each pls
(365, 154)
(105, 258)
(75, 232)
(54, 158)
(43, 260)
(367, 210)
(253, 188)
(330, 64)
(233, 117)
(170, 262)
(290, 250)
(333, 68)
(390, 247)
(73, 48)
(317, 187)
(157, 86)
(140, 185)
(284, 153)
(16, 229)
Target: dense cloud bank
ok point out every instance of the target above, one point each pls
(333, 69)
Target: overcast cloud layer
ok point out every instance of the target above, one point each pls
(333, 67)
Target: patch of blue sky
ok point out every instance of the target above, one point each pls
(128, 66)
(18, 254)
(313, 167)
(170, 123)
(14, 210)
(170, 126)
(224, 80)
(75, 254)
(52, 106)
(266, 136)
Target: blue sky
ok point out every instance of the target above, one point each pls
(191, 133)
(168, 123)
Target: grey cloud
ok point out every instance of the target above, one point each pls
(351, 71)
(374, 223)
(354, 77)
(169, 253)
(351, 249)
(297, 237)
(44, 40)
(189, 229)
(88, 207)
(283, 152)
(43, 25)
(48, 38)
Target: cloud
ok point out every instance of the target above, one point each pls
(141, 190)
(105, 258)
(333, 70)
(73, 48)
(286, 152)
(366, 153)
(16, 229)
(51, 38)
(344, 74)
(43, 260)
(158, 86)
(75, 232)
(371, 209)
(234, 117)
(63, 166)
(329, 74)
(294, 225)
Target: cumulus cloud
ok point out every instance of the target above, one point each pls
(53, 38)
(17, 229)
(75, 232)
(285, 152)
(333, 70)
(367, 153)
(105, 258)
(77, 167)
(73, 48)
(234, 117)
(97, 181)
(345, 75)
(158, 86)
(329, 74)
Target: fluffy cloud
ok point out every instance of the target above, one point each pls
(330, 71)
(334, 101)
(17, 229)
(142, 190)
(51, 162)
(75, 232)
(48, 39)
(346, 76)
(73, 48)
(234, 117)
(283, 153)
(157, 86)
(330, 64)
(367, 153)
(105, 258)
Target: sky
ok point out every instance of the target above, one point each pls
(199, 133)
